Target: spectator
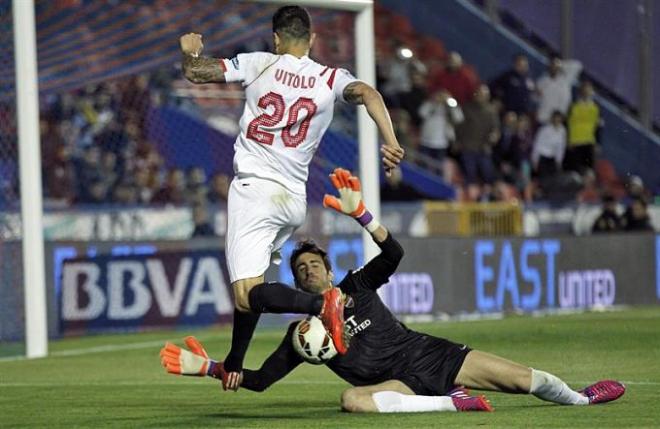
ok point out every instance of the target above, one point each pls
(636, 189)
(174, 190)
(515, 88)
(456, 78)
(476, 136)
(589, 192)
(549, 148)
(197, 189)
(608, 220)
(440, 114)
(60, 177)
(413, 99)
(523, 144)
(636, 216)
(397, 75)
(135, 100)
(554, 88)
(403, 128)
(88, 175)
(219, 188)
(95, 193)
(144, 185)
(108, 171)
(125, 193)
(202, 225)
(583, 123)
(112, 138)
(505, 154)
(395, 189)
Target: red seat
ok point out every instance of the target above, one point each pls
(608, 178)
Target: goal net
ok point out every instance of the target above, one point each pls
(133, 155)
(11, 278)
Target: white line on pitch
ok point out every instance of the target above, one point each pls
(98, 349)
(115, 347)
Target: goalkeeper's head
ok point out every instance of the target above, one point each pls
(311, 267)
(292, 29)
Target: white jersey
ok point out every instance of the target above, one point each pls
(289, 106)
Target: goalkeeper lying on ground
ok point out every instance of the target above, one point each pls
(392, 368)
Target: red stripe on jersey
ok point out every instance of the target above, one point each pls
(324, 70)
(222, 64)
(331, 80)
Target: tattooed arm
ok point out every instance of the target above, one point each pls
(361, 93)
(202, 69)
(196, 68)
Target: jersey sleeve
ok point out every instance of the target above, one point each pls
(246, 67)
(281, 362)
(376, 272)
(341, 78)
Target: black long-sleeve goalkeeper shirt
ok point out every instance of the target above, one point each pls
(380, 345)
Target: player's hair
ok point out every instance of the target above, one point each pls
(307, 246)
(292, 22)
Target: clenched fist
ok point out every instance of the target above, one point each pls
(191, 44)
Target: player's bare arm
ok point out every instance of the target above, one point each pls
(197, 68)
(361, 93)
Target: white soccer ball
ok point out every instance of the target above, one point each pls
(312, 341)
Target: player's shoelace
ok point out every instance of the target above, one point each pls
(604, 391)
(459, 392)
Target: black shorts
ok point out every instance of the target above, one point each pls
(433, 365)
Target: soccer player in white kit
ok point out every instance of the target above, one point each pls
(289, 106)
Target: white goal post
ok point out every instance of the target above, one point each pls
(29, 154)
(365, 70)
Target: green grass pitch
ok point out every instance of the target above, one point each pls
(88, 382)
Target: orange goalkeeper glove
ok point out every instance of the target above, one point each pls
(180, 361)
(350, 199)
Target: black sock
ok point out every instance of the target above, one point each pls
(279, 298)
(244, 324)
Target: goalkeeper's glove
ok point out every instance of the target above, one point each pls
(196, 362)
(350, 199)
(180, 361)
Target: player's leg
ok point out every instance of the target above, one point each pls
(394, 396)
(485, 371)
(243, 327)
(243, 222)
(360, 399)
(255, 221)
(281, 213)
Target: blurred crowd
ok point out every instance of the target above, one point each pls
(96, 150)
(515, 137)
(632, 215)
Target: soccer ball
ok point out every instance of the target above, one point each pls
(312, 341)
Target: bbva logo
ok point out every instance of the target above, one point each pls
(129, 288)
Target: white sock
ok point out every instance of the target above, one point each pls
(550, 388)
(395, 402)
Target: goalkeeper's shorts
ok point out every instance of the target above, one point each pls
(433, 365)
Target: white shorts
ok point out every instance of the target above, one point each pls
(262, 215)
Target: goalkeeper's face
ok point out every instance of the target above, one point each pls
(311, 273)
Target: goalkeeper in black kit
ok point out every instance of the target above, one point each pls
(391, 368)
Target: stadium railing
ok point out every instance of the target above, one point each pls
(473, 219)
